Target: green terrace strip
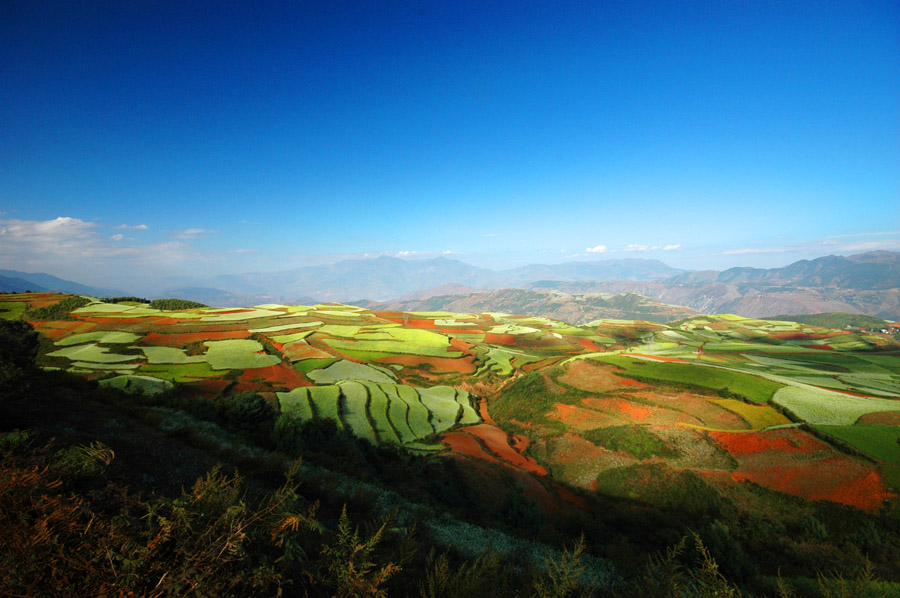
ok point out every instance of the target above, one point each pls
(748, 386)
(110, 337)
(170, 355)
(138, 384)
(383, 412)
(237, 354)
(819, 406)
(290, 326)
(91, 352)
(348, 370)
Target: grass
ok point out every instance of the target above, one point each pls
(880, 442)
(419, 415)
(637, 441)
(354, 410)
(751, 387)
(326, 402)
(392, 347)
(180, 372)
(91, 352)
(103, 337)
(348, 370)
(296, 403)
(823, 407)
(289, 338)
(237, 354)
(307, 365)
(441, 402)
(378, 414)
(758, 417)
(170, 355)
(138, 384)
(12, 310)
(398, 411)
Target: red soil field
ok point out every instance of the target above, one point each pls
(57, 329)
(483, 412)
(495, 440)
(802, 336)
(838, 479)
(185, 338)
(885, 418)
(462, 365)
(464, 444)
(274, 376)
(460, 345)
(784, 442)
(520, 443)
(824, 347)
(301, 350)
(499, 339)
(38, 300)
(596, 377)
(580, 418)
(588, 344)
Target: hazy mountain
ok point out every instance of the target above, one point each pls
(39, 281)
(9, 284)
(867, 283)
(577, 309)
(386, 278)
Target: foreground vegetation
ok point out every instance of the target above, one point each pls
(534, 459)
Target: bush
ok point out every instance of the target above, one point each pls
(243, 409)
(57, 311)
(175, 304)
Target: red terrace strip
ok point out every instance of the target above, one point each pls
(803, 336)
(462, 365)
(274, 376)
(657, 357)
(634, 411)
(499, 339)
(838, 479)
(57, 329)
(465, 444)
(407, 322)
(787, 441)
(161, 320)
(185, 338)
(208, 388)
(460, 345)
(39, 300)
(299, 351)
(588, 344)
(825, 347)
(496, 441)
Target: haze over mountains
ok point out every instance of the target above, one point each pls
(867, 283)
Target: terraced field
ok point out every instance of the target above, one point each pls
(722, 396)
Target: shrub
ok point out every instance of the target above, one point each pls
(175, 304)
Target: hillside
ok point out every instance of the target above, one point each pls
(577, 309)
(515, 425)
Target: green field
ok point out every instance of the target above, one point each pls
(819, 406)
(237, 354)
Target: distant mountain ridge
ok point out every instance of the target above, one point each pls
(17, 282)
(576, 309)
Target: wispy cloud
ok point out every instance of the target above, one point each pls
(133, 227)
(634, 247)
(596, 249)
(674, 247)
(117, 237)
(886, 244)
(751, 250)
(193, 233)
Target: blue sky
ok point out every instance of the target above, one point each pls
(148, 139)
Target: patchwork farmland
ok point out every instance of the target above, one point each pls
(739, 403)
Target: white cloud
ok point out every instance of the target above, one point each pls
(193, 233)
(117, 237)
(634, 247)
(133, 226)
(672, 247)
(751, 250)
(886, 244)
(596, 249)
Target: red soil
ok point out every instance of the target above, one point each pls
(596, 377)
(185, 338)
(301, 350)
(496, 441)
(460, 345)
(208, 388)
(38, 300)
(783, 442)
(499, 339)
(483, 412)
(275, 376)
(463, 365)
(825, 347)
(464, 444)
(802, 336)
(588, 344)
(57, 329)
(581, 418)
(885, 418)
(633, 410)
(520, 443)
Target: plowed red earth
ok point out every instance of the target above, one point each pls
(798, 463)
(58, 329)
(301, 350)
(802, 336)
(208, 388)
(496, 441)
(273, 376)
(588, 344)
(463, 365)
(460, 345)
(580, 418)
(596, 377)
(499, 339)
(885, 418)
